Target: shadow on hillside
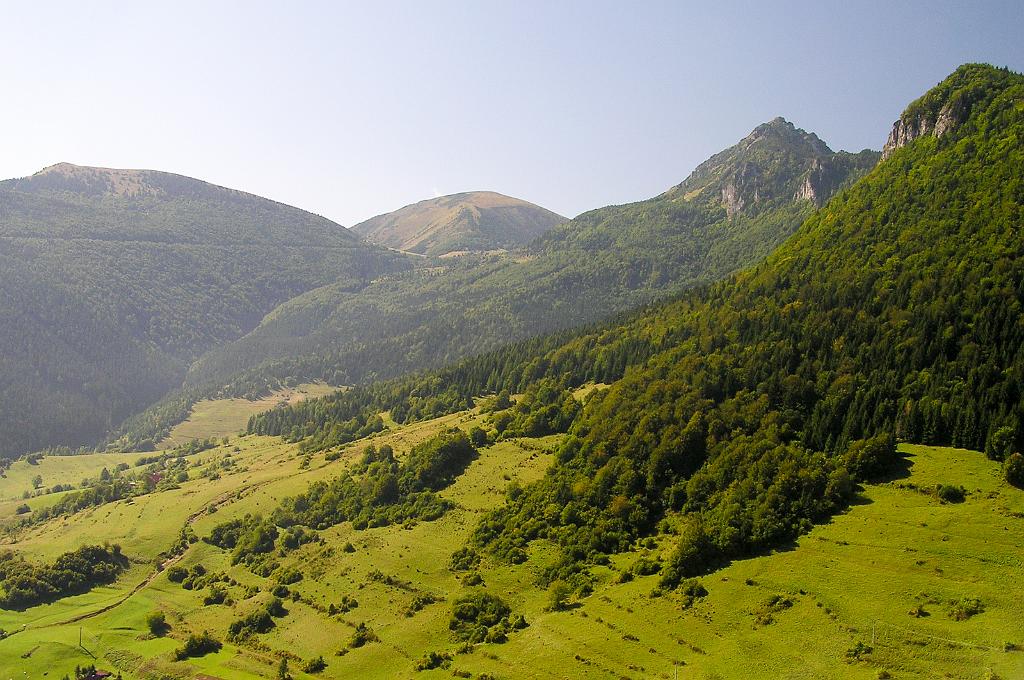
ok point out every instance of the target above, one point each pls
(898, 469)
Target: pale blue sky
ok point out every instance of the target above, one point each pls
(352, 109)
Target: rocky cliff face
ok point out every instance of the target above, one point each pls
(946, 107)
(911, 127)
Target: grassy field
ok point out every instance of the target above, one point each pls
(57, 470)
(226, 417)
(796, 613)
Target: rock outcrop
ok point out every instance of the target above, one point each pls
(907, 128)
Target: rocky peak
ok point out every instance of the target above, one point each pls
(776, 163)
(779, 133)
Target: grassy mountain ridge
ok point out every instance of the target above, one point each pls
(68, 201)
(114, 281)
(474, 221)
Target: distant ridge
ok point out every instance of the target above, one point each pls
(113, 281)
(474, 221)
(65, 200)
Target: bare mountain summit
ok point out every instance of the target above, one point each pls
(475, 220)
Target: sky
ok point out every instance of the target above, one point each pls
(354, 109)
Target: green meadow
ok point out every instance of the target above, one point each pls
(867, 595)
(227, 417)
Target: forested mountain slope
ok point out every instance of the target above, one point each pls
(471, 221)
(745, 411)
(114, 281)
(602, 262)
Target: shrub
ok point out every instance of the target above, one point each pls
(645, 566)
(276, 608)
(476, 614)
(156, 622)
(965, 608)
(315, 665)
(558, 594)
(362, 636)
(432, 660)
(773, 605)
(176, 574)
(1000, 443)
(871, 458)
(254, 623)
(347, 604)
(479, 437)
(948, 493)
(217, 595)
(287, 575)
(464, 559)
(23, 509)
(694, 554)
(858, 650)
(1013, 470)
(197, 645)
(419, 602)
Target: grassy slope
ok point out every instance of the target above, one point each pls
(58, 470)
(225, 417)
(897, 549)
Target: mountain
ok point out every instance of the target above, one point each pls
(776, 163)
(820, 448)
(742, 413)
(475, 221)
(603, 262)
(114, 281)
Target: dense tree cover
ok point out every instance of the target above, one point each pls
(108, 294)
(545, 408)
(894, 311)
(615, 258)
(382, 491)
(24, 585)
(753, 406)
